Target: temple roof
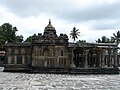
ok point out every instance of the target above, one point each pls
(49, 26)
(99, 45)
(21, 44)
(50, 37)
(49, 31)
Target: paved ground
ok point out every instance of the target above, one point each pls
(22, 81)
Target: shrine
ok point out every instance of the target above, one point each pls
(50, 53)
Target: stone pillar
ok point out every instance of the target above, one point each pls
(119, 60)
(103, 59)
(95, 62)
(72, 65)
(33, 62)
(110, 61)
(100, 61)
(57, 61)
(109, 58)
(45, 63)
(23, 59)
(115, 59)
(9, 59)
(45, 59)
(15, 59)
(86, 58)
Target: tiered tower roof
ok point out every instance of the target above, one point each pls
(49, 30)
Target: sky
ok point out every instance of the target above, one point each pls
(93, 18)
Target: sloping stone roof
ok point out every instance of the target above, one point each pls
(17, 44)
(99, 45)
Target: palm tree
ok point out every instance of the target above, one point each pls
(74, 34)
(112, 40)
(117, 37)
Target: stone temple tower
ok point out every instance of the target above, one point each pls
(49, 49)
(49, 31)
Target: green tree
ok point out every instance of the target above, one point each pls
(19, 38)
(2, 39)
(29, 39)
(104, 39)
(81, 41)
(8, 34)
(117, 37)
(74, 34)
(98, 41)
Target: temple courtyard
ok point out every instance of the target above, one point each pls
(24, 81)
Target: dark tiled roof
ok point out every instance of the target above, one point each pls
(106, 44)
(100, 45)
(72, 45)
(18, 44)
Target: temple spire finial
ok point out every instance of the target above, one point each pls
(49, 26)
(49, 21)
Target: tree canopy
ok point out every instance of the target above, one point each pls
(8, 34)
(114, 39)
(104, 39)
(29, 39)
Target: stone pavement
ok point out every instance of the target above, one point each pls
(22, 81)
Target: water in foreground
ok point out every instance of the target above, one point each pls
(22, 81)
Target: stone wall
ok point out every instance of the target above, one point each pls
(18, 55)
(51, 56)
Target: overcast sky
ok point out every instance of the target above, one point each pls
(93, 18)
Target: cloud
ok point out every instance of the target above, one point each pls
(89, 16)
(32, 8)
(69, 10)
(104, 24)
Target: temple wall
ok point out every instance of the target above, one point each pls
(53, 56)
(18, 55)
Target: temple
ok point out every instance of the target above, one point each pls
(50, 53)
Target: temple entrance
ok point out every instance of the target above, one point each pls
(78, 58)
(84, 57)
